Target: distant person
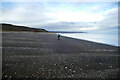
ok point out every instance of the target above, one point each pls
(58, 36)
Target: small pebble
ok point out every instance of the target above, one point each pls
(81, 69)
(65, 67)
(110, 66)
(73, 71)
(5, 75)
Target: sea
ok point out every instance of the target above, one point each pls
(105, 38)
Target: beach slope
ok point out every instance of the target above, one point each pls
(41, 55)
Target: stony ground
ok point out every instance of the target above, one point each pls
(41, 55)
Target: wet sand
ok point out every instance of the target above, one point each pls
(41, 55)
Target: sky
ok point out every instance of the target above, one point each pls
(63, 16)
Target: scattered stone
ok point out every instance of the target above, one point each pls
(5, 76)
(111, 66)
(74, 71)
(81, 69)
(66, 67)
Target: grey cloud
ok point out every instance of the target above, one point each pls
(26, 14)
(34, 15)
(67, 26)
(110, 20)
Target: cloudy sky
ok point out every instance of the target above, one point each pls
(63, 16)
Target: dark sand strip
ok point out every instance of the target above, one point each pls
(41, 55)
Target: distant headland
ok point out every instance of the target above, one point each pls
(16, 28)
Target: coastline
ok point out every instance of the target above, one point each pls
(56, 34)
(105, 38)
(43, 56)
(92, 41)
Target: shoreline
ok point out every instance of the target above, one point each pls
(61, 35)
(39, 55)
(91, 41)
(96, 37)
